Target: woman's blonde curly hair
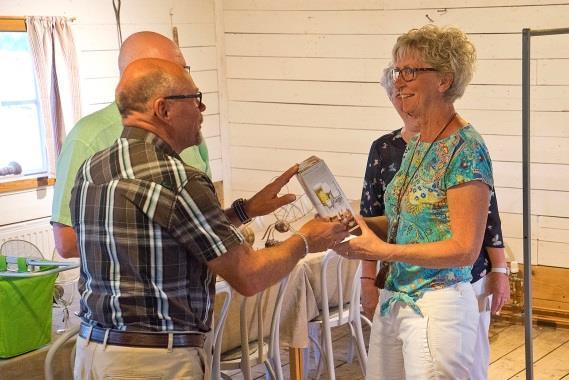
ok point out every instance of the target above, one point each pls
(447, 49)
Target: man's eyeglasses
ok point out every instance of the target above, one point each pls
(187, 68)
(409, 73)
(198, 95)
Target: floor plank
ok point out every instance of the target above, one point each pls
(555, 365)
(513, 363)
(507, 351)
(508, 340)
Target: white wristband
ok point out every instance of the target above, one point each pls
(503, 270)
(305, 240)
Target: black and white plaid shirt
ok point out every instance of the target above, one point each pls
(146, 225)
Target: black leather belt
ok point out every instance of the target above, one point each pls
(141, 339)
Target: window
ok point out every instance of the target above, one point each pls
(21, 138)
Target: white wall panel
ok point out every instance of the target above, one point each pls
(345, 117)
(96, 40)
(290, 62)
(210, 125)
(214, 147)
(304, 139)
(554, 229)
(25, 205)
(471, 20)
(200, 58)
(369, 4)
(216, 170)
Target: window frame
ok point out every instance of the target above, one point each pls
(18, 24)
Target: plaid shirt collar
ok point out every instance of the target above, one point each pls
(136, 133)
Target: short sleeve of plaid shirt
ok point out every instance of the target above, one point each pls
(198, 221)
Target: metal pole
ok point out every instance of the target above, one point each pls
(526, 38)
(549, 32)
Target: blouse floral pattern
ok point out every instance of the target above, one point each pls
(423, 215)
(384, 160)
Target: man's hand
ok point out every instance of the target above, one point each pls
(498, 286)
(322, 234)
(267, 200)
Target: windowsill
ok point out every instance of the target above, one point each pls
(25, 183)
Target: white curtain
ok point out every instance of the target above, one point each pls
(57, 75)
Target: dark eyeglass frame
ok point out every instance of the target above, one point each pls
(187, 68)
(409, 74)
(198, 95)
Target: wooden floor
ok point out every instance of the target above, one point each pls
(507, 356)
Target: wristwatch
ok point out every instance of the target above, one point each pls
(504, 270)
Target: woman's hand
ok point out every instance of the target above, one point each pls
(367, 246)
(369, 297)
(498, 286)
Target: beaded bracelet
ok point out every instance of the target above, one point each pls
(238, 207)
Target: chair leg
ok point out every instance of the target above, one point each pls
(350, 353)
(327, 340)
(269, 370)
(320, 356)
(312, 355)
(358, 337)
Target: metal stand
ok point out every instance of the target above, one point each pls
(526, 55)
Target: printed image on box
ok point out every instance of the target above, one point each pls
(324, 192)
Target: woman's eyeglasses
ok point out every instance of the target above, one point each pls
(409, 73)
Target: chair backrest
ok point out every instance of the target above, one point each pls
(55, 346)
(20, 248)
(67, 276)
(268, 355)
(346, 311)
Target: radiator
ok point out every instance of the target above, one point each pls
(37, 231)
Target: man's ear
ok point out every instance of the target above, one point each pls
(161, 109)
(446, 81)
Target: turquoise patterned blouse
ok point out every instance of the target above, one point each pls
(424, 216)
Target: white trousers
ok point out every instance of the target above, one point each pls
(479, 370)
(438, 345)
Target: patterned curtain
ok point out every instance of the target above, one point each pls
(57, 75)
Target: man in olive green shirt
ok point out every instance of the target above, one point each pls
(101, 129)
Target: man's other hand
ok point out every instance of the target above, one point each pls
(267, 200)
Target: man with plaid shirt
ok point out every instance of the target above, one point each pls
(152, 236)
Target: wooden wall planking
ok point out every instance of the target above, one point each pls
(96, 40)
(303, 79)
(195, 20)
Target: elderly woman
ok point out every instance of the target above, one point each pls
(436, 208)
(489, 272)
